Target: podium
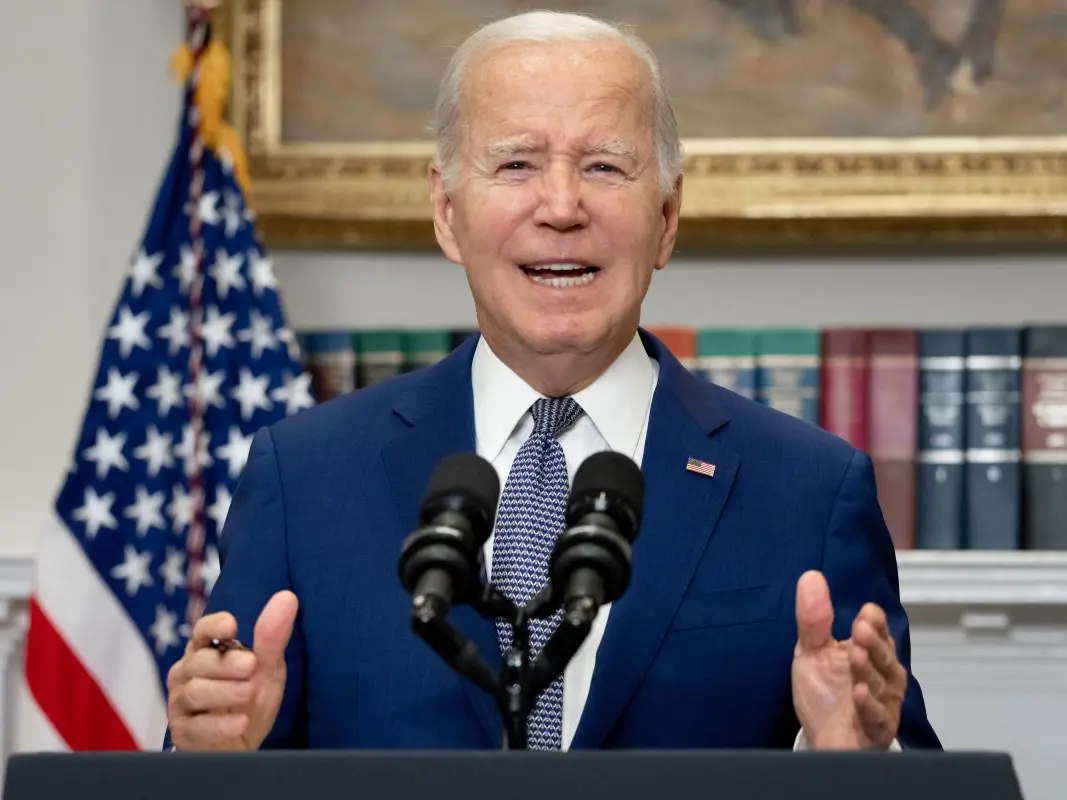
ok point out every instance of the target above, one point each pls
(515, 775)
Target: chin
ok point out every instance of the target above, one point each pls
(566, 336)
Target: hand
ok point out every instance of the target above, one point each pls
(847, 695)
(229, 701)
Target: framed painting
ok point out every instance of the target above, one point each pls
(804, 121)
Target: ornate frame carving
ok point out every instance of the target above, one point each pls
(738, 192)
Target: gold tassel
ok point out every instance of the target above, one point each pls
(211, 95)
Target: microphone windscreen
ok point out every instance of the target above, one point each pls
(467, 476)
(612, 474)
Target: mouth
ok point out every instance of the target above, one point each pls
(561, 275)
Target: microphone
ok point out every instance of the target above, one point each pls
(591, 562)
(439, 562)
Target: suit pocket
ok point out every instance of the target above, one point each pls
(728, 607)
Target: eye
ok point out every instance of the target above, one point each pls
(600, 166)
(515, 165)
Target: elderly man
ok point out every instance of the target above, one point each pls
(763, 610)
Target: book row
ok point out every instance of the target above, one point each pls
(966, 427)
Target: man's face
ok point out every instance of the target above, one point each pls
(558, 169)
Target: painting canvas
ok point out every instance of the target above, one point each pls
(946, 114)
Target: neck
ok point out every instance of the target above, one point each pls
(558, 374)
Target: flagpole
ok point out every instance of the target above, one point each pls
(198, 32)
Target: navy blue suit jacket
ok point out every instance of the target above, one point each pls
(696, 654)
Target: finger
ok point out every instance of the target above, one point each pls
(204, 731)
(208, 663)
(881, 648)
(864, 672)
(874, 717)
(220, 625)
(814, 611)
(273, 629)
(204, 694)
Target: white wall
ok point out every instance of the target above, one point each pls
(88, 116)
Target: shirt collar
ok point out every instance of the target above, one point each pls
(616, 403)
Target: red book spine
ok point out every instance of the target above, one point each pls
(894, 402)
(845, 384)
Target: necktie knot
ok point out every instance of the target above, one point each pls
(553, 415)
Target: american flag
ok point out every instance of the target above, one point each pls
(196, 358)
(700, 467)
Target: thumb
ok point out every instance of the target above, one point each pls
(273, 629)
(815, 613)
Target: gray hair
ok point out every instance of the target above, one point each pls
(547, 26)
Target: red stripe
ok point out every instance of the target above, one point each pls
(68, 695)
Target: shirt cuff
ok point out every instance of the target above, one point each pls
(801, 743)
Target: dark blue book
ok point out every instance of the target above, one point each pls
(994, 439)
(941, 440)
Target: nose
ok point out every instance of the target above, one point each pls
(561, 203)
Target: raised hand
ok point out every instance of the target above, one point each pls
(847, 694)
(229, 701)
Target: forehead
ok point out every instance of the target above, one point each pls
(569, 87)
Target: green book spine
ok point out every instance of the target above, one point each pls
(425, 348)
(380, 355)
(727, 357)
(787, 371)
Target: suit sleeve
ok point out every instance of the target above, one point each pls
(253, 552)
(860, 566)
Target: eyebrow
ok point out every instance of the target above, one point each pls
(525, 144)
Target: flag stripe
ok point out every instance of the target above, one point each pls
(96, 627)
(68, 695)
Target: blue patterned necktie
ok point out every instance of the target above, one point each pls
(529, 519)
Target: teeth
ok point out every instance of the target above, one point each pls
(568, 281)
(561, 267)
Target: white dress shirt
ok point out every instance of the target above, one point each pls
(616, 407)
(616, 410)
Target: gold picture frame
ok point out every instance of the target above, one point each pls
(761, 192)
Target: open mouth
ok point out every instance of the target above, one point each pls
(562, 275)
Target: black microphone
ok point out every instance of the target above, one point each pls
(591, 562)
(439, 562)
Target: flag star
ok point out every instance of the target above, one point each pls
(226, 159)
(232, 213)
(207, 209)
(210, 569)
(235, 451)
(261, 270)
(172, 571)
(107, 453)
(176, 331)
(296, 393)
(259, 333)
(207, 389)
(289, 339)
(96, 512)
(156, 451)
(184, 450)
(186, 271)
(164, 629)
(134, 570)
(216, 331)
(251, 393)
(118, 393)
(227, 272)
(166, 391)
(144, 272)
(221, 507)
(182, 508)
(147, 510)
(129, 331)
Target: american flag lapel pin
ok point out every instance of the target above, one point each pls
(700, 467)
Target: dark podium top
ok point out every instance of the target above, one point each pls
(517, 775)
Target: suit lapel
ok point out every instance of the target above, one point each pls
(681, 511)
(437, 416)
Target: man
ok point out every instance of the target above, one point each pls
(763, 610)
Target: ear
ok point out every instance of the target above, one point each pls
(442, 214)
(671, 211)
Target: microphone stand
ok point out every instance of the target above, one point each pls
(521, 681)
